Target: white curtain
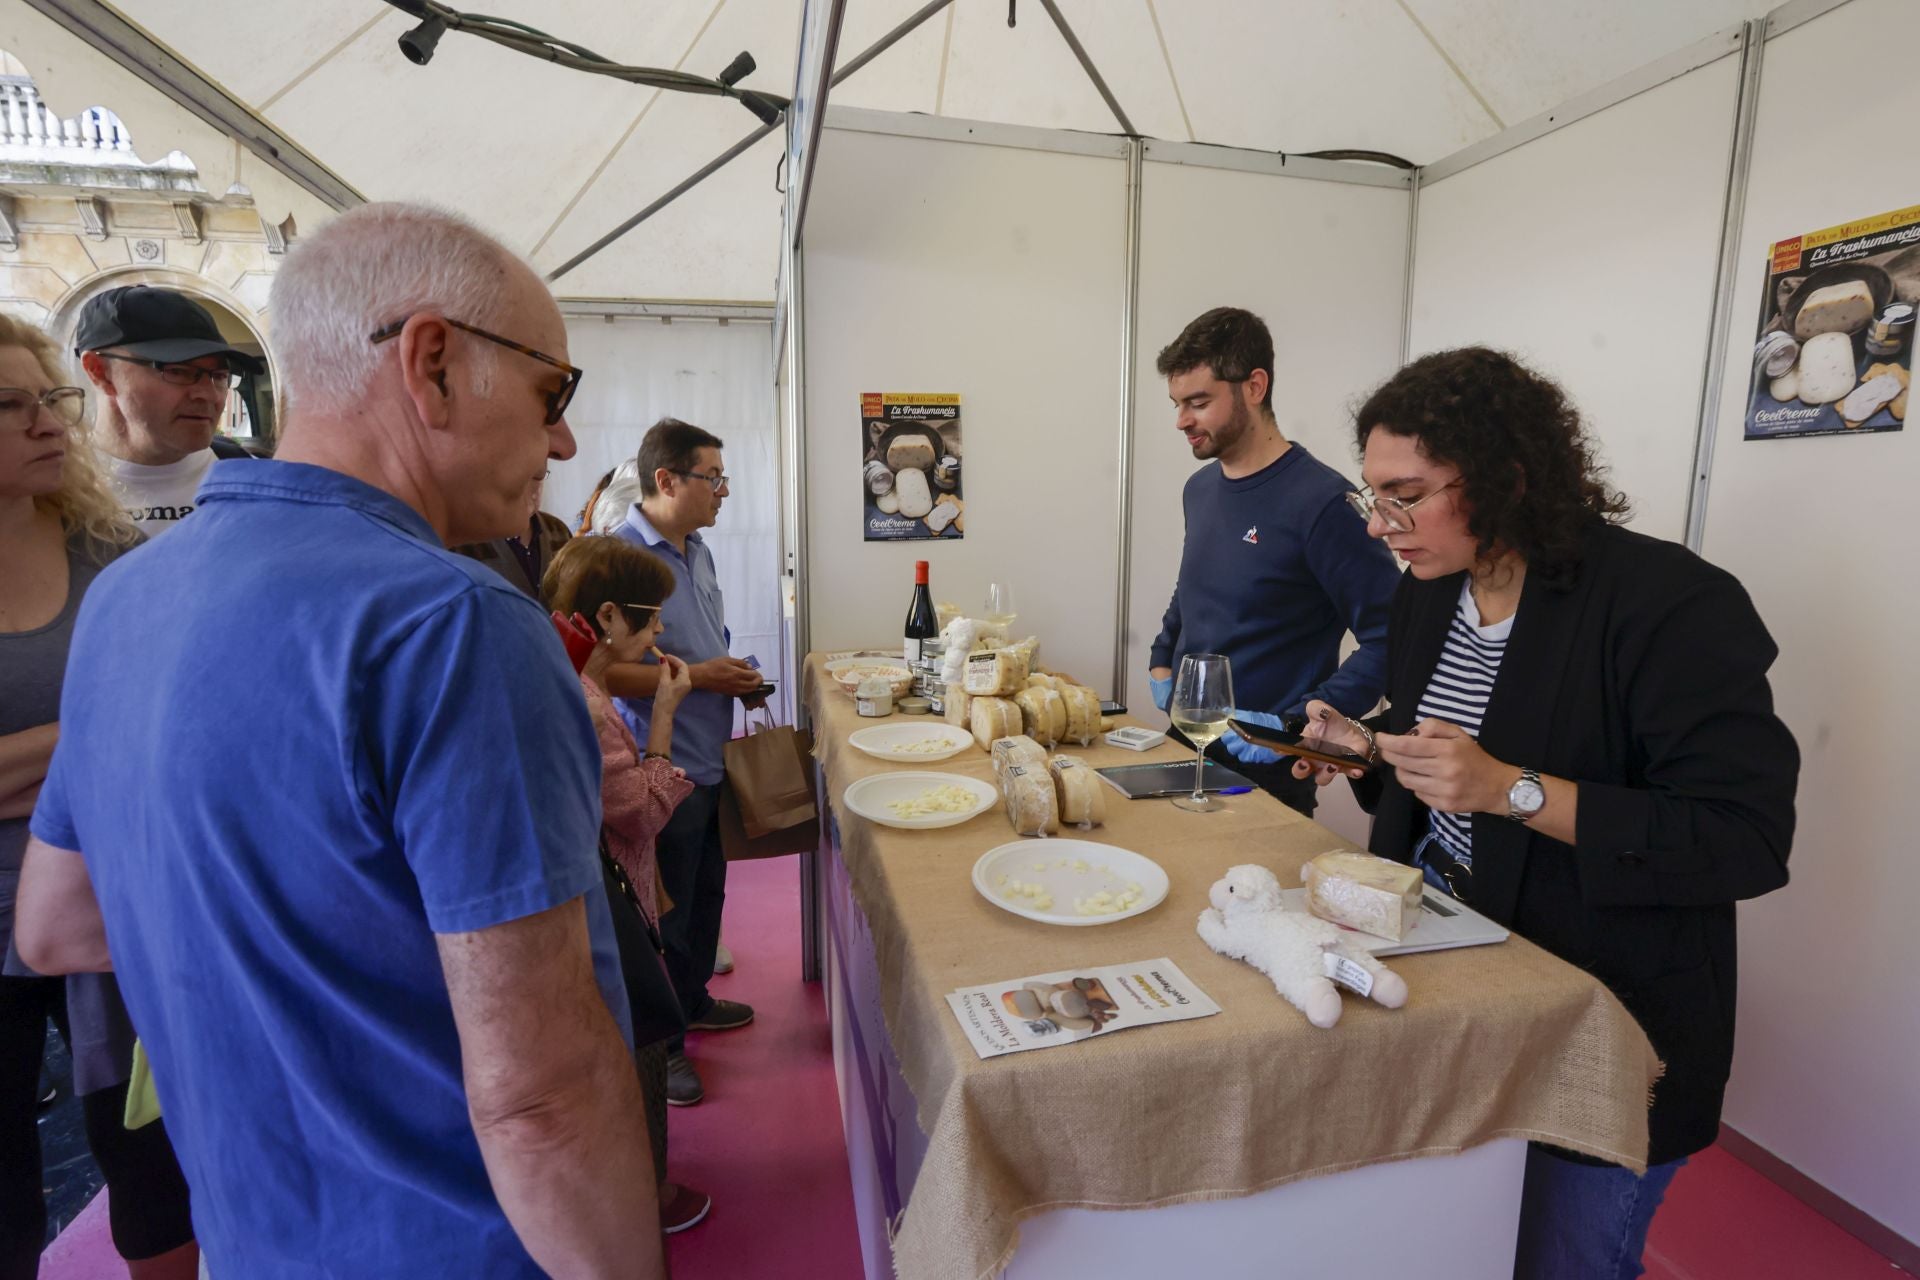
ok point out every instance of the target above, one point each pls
(716, 376)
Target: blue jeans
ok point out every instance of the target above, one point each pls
(1585, 1222)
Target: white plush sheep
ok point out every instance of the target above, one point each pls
(1249, 921)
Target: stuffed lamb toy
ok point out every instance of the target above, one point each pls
(1249, 921)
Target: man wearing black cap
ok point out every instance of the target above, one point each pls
(162, 372)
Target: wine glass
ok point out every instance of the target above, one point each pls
(1202, 701)
(1000, 610)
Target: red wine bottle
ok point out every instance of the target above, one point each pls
(922, 623)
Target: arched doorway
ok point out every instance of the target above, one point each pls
(251, 418)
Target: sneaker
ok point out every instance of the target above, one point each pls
(683, 1082)
(682, 1207)
(722, 959)
(726, 1015)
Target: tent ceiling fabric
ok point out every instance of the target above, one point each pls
(551, 159)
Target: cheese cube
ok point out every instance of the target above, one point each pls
(1837, 308)
(1375, 895)
(1082, 796)
(992, 718)
(1827, 368)
(996, 673)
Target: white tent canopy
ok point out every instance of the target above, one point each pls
(551, 159)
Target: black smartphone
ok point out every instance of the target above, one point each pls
(764, 691)
(1290, 741)
(1112, 708)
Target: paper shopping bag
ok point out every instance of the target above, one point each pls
(770, 790)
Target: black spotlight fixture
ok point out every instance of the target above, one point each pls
(418, 43)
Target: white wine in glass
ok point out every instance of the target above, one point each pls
(1000, 610)
(1202, 701)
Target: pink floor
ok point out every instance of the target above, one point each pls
(766, 1144)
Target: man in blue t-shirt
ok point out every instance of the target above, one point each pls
(353, 899)
(1276, 567)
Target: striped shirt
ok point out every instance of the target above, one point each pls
(1457, 692)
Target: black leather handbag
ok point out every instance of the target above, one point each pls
(651, 1001)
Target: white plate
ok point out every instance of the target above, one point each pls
(1055, 864)
(870, 797)
(889, 741)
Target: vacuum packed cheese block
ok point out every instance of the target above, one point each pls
(958, 705)
(1016, 748)
(1826, 368)
(910, 451)
(1037, 707)
(1083, 714)
(996, 673)
(1038, 681)
(1374, 895)
(910, 487)
(1031, 805)
(1837, 308)
(1082, 796)
(992, 718)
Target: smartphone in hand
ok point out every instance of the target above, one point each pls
(1291, 741)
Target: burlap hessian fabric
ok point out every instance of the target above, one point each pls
(1498, 1041)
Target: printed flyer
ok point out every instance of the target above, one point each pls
(1835, 348)
(1075, 1004)
(910, 467)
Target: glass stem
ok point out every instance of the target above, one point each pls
(1199, 764)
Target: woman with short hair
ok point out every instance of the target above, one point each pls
(59, 526)
(1580, 743)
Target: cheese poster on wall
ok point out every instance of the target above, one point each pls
(1835, 350)
(910, 467)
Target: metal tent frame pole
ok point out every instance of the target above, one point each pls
(1086, 65)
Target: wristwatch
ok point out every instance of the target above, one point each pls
(1526, 797)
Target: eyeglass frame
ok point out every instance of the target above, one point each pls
(209, 376)
(719, 482)
(653, 609)
(557, 401)
(1365, 506)
(42, 400)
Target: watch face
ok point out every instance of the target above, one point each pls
(1526, 796)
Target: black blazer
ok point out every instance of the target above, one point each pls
(1645, 682)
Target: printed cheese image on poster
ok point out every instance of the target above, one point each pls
(910, 467)
(1834, 354)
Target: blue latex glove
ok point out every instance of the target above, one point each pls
(1162, 690)
(1246, 752)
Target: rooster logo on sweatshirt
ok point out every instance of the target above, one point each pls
(1251, 537)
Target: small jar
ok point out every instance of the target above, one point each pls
(874, 697)
(1889, 333)
(914, 705)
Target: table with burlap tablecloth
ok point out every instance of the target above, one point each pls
(1494, 1042)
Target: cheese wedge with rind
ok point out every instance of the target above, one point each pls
(1083, 798)
(1374, 895)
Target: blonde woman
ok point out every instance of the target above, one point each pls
(59, 526)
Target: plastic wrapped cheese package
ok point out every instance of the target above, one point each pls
(1017, 748)
(1031, 806)
(958, 705)
(1083, 714)
(997, 673)
(1374, 895)
(992, 718)
(1043, 713)
(1082, 796)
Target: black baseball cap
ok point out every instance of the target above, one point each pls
(155, 324)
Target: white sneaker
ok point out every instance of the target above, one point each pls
(722, 959)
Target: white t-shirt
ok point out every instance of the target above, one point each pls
(157, 498)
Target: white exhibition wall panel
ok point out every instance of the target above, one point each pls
(996, 273)
(1323, 263)
(1828, 1031)
(1589, 253)
(716, 376)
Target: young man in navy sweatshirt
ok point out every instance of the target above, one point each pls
(1276, 567)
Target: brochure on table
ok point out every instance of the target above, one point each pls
(1074, 1005)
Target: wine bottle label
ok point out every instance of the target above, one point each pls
(913, 647)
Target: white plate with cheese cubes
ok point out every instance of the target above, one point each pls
(915, 801)
(922, 743)
(1071, 882)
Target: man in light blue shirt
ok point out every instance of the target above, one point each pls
(683, 483)
(353, 900)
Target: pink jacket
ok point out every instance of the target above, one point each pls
(637, 796)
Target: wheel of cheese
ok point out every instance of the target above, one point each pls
(916, 499)
(1826, 368)
(959, 707)
(991, 719)
(1082, 796)
(996, 673)
(1838, 308)
(1056, 707)
(1083, 714)
(1035, 715)
(1017, 748)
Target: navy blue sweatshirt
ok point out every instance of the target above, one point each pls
(1276, 568)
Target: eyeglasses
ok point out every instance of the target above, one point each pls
(1393, 513)
(19, 407)
(717, 482)
(557, 401)
(644, 610)
(181, 375)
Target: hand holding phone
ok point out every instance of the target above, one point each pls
(1322, 738)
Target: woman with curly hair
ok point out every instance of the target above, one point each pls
(1580, 742)
(59, 526)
